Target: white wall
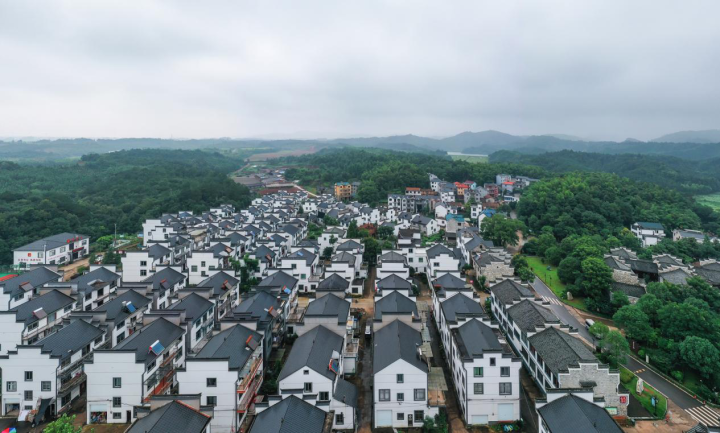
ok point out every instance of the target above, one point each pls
(100, 391)
(413, 379)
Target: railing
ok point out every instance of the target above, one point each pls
(248, 397)
(166, 380)
(249, 376)
(64, 369)
(70, 384)
(296, 315)
(352, 347)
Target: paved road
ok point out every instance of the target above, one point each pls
(694, 407)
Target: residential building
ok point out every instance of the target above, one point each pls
(34, 320)
(291, 414)
(173, 413)
(21, 288)
(570, 411)
(649, 233)
(343, 191)
(59, 249)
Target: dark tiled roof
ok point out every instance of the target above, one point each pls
(256, 306)
(313, 350)
(165, 278)
(449, 281)
(157, 251)
(217, 282)
(329, 305)
(474, 338)
(172, 417)
(346, 392)
(291, 415)
(528, 314)
(392, 256)
(395, 303)
(115, 308)
(230, 344)
(70, 339)
(49, 302)
(560, 350)
(460, 305)
(36, 278)
(632, 290)
(333, 283)
(279, 279)
(572, 414)
(645, 266)
(349, 245)
(50, 242)
(397, 341)
(194, 306)
(103, 274)
(304, 254)
(159, 329)
(344, 257)
(508, 291)
(439, 249)
(392, 281)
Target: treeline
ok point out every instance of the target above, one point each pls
(123, 188)
(382, 172)
(693, 177)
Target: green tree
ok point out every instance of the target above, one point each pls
(619, 299)
(327, 253)
(615, 348)
(701, 355)
(63, 425)
(353, 232)
(650, 304)
(635, 322)
(599, 330)
(501, 230)
(596, 278)
(526, 274)
(385, 232)
(372, 250)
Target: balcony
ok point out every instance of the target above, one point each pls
(67, 385)
(352, 347)
(247, 398)
(296, 315)
(249, 375)
(165, 377)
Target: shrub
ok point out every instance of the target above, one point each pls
(641, 353)
(677, 375)
(625, 376)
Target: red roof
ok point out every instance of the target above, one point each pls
(412, 188)
(461, 185)
(7, 277)
(508, 183)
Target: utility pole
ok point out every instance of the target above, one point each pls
(115, 237)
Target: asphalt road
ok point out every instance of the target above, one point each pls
(677, 395)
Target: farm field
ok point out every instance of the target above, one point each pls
(280, 154)
(712, 200)
(476, 159)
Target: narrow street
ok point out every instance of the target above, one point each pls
(678, 396)
(363, 378)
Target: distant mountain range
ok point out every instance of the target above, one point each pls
(695, 145)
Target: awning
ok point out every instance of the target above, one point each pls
(44, 403)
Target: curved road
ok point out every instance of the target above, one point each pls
(685, 401)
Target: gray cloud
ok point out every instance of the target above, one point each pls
(598, 69)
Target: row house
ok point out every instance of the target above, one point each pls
(442, 260)
(224, 291)
(59, 249)
(266, 258)
(34, 320)
(227, 373)
(392, 262)
(396, 306)
(94, 287)
(393, 283)
(401, 397)
(262, 312)
(125, 377)
(335, 284)
(301, 264)
(197, 317)
(161, 286)
(314, 372)
(21, 288)
(47, 375)
(201, 263)
(122, 315)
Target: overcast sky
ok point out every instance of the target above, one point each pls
(596, 69)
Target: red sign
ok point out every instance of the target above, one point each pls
(623, 399)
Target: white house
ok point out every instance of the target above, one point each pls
(227, 373)
(199, 265)
(33, 320)
(587, 414)
(301, 264)
(442, 260)
(392, 262)
(20, 289)
(649, 233)
(52, 250)
(123, 315)
(400, 378)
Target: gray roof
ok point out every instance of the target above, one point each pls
(218, 282)
(650, 225)
(165, 278)
(475, 338)
(631, 290)
(392, 256)
(449, 281)
(308, 256)
(439, 249)
(35, 278)
(159, 329)
(291, 415)
(279, 279)
(256, 307)
(708, 274)
(50, 302)
(460, 305)
(333, 283)
(395, 303)
(313, 350)
(329, 305)
(84, 282)
(392, 281)
(194, 306)
(115, 310)
(344, 257)
(346, 392)
(157, 251)
(476, 241)
(528, 314)
(70, 339)
(676, 276)
(614, 263)
(50, 242)
(508, 291)
(230, 344)
(396, 341)
(172, 417)
(560, 350)
(349, 245)
(572, 414)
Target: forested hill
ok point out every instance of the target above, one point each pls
(383, 172)
(126, 187)
(694, 177)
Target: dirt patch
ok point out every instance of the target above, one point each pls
(280, 154)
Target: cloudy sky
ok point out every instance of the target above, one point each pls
(597, 69)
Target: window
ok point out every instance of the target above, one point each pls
(492, 362)
(198, 334)
(117, 401)
(202, 264)
(400, 416)
(117, 415)
(28, 376)
(32, 326)
(68, 309)
(419, 394)
(478, 371)
(45, 385)
(143, 263)
(419, 416)
(400, 378)
(400, 396)
(478, 388)
(384, 395)
(193, 268)
(420, 259)
(307, 387)
(117, 382)
(306, 372)
(324, 396)
(436, 264)
(410, 260)
(505, 388)
(211, 400)
(505, 371)
(28, 395)
(211, 381)
(151, 366)
(340, 419)
(143, 273)
(11, 386)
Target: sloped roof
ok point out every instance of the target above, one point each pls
(349, 245)
(439, 249)
(397, 341)
(528, 314)
(172, 417)
(291, 415)
(257, 305)
(194, 306)
(313, 350)
(395, 303)
(230, 344)
(115, 310)
(158, 330)
(70, 339)
(392, 281)
(279, 279)
(632, 290)
(560, 350)
(218, 281)
(460, 305)
(474, 338)
(165, 278)
(49, 302)
(571, 414)
(346, 392)
(36, 278)
(449, 281)
(329, 305)
(50, 242)
(333, 283)
(508, 291)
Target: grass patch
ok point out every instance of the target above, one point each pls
(712, 200)
(475, 159)
(550, 278)
(645, 397)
